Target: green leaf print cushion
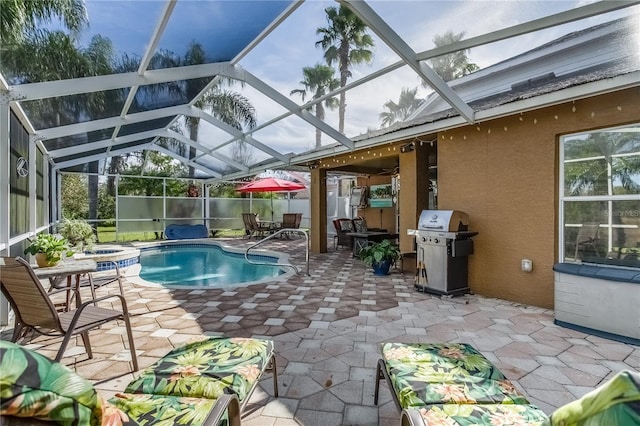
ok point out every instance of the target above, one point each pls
(32, 385)
(443, 373)
(617, 402)
(207, 369)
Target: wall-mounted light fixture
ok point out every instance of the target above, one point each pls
(408, 147)
(313, 165)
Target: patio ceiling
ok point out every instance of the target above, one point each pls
(138, 109)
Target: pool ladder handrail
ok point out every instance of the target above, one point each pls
(275, 234)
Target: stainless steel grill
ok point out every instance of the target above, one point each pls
(444, 244)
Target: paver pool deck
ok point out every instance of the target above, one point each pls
(327, 328)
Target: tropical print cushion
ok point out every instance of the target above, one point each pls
(207, 369)
(482, 414)
(141, 409)
(617, 402)
(360, 225)
(426, 373)
(32, 385)
(346, 225)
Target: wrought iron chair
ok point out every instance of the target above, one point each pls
(35, 311)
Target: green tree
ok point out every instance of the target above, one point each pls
(106, 204)
(407, 104)
(453, 65)
(19, 17)
(346, 42)
(74, 196)
(156, 164)
(318, 81)
(226, 105)
(53, 55)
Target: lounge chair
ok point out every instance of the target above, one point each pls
(453, 384)
(39, 391)
(417, 373)
(195, 384)
(35, 311)
(614, 403)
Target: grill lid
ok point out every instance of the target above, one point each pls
(443, 220)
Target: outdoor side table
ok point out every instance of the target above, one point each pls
(66, 269)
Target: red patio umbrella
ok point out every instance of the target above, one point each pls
(271, 185)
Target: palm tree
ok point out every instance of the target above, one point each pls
(453, 65)
(407, 104)
(53, 55)
(318, 81)
(346, 42)
(230, 107)
(19, 17)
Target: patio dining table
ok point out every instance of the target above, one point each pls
(66, 269)
(274, 226)
(362, 239)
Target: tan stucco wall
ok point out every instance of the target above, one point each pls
(504, 174)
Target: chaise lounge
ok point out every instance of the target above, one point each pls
(200, 383)
(454, 384)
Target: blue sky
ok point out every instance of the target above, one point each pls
(279, 59)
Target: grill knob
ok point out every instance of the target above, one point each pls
(424, 239)
(436, 241)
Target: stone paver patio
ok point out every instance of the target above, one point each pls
(327, 328)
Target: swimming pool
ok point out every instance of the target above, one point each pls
(204, 265)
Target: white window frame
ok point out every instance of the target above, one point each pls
(608, 198)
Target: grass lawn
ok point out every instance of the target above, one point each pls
(107, 234)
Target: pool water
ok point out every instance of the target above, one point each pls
(203, 266)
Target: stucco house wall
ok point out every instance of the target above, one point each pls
(504, 174)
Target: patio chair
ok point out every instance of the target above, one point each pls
(254, 227)
(587, 237)
(291, 221)
(35, 311)
(341, 238)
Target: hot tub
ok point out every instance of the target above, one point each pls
(105, 256)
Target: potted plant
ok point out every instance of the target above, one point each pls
(380, 256)
(79, 233)
(48, 249)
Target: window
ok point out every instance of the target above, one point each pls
(600, 196)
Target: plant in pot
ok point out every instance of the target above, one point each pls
(78, 233)
(380, 256)
(48, 249)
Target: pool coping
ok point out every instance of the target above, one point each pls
(132, 273)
